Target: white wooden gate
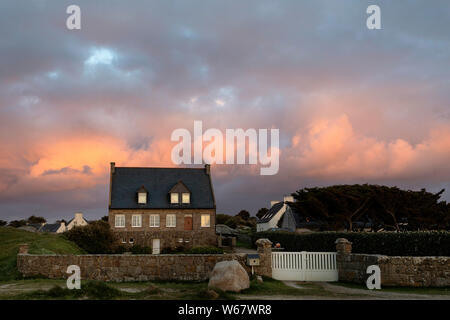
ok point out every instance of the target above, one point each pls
(304, 266)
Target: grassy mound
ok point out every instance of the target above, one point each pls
(39, 243)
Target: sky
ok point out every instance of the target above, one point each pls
(353, 105)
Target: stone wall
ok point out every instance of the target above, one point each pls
(137, 267)
(124, 267)
(395, 271)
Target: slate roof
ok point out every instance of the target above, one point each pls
(50, 227)
(126, 181)
(272, 211)
(225, 230)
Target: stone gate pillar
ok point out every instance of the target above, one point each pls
(343, 246)
(343, 258)
(23, 248)
(264, 248)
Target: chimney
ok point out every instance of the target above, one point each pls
(273, 202)
(208, 169)
(113, 167)
(288, 199)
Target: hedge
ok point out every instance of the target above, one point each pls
(427, 243)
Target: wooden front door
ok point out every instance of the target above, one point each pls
(188, 222)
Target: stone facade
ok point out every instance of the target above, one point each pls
(136, 267)
(395, 271)
(170, 237)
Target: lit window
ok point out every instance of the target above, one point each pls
(154, 220)
(120, 221)
(174, 198)
(136, 220)
(205, 220)
(185, 197)
(171, 220)
(142, 198)
(124, 240)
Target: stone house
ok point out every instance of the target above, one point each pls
(162, 207)
(77, 221)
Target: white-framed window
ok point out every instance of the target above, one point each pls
(171, 220)
(124, 240)
(119, 221)
(136, 220)
(185, 197)
(131, 240)
(174, 198)
(142, 197)
(206, 220)
(154, 220)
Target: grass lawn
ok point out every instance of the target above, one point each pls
(407, 290)
(39, 243)
(46, 289)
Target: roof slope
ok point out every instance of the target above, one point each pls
(272, 211)
(50, 227)
(126, 181)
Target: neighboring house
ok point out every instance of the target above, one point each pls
(53, 227)
(272, 217)
(282, 216)
(162, 207)
(58, 227)
(77, 221)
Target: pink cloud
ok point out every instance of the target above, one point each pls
(331, 148)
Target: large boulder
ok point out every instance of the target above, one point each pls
(229, 276)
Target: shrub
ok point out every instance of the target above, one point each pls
(205, 250)
(417, 243)
(99, 290)
(196, 250)
(137, 249)
(97, 238)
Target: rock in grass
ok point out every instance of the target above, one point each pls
(229, 276)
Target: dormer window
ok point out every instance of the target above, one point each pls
(142, 195)
(185, 197)
(180, 193)
(142, 198)
(174, 198)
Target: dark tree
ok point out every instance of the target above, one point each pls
(261, 212)
(34, 219)
(97, 238)
(3, 223)
(17, 223)
(355, 207)
(105, 218)
(222, 218)
(243, 214)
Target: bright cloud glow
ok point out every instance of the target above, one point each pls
(220, 102)
(100, 56)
